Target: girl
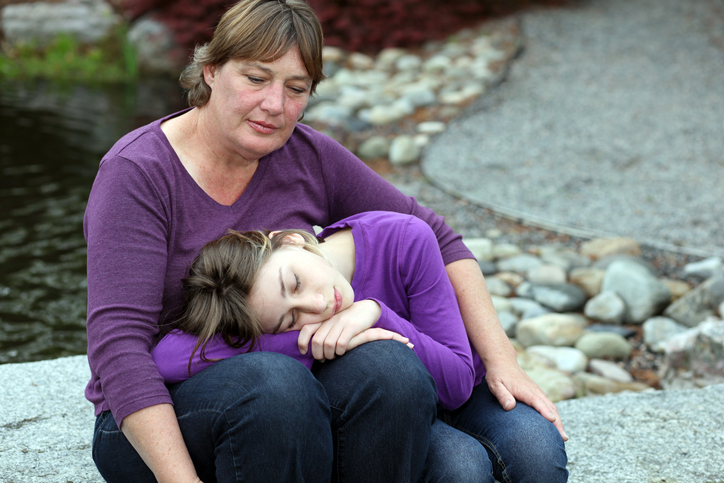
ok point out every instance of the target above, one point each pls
(376, 275)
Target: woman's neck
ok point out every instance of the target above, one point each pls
(340, 251)
(223, 177)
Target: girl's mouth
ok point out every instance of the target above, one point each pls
(337, 301)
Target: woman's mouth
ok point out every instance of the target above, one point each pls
(262, 127)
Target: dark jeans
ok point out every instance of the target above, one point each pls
(262, 417)
(481, 442)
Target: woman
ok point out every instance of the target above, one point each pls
(237, 159)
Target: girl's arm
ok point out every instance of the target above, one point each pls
(409, 275)
(436, 327)
(448, 359)
(173, 351)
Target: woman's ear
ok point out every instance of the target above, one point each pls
(290, 239)
(210, 73)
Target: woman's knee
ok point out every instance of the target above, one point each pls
(456, 456)
(539, 452)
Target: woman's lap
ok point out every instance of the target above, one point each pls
(521, 444)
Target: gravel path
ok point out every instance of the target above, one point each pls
(610, 123)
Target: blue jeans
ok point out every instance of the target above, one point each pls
(255, 417)
(383, 403)
(481, 442)
(262, 416)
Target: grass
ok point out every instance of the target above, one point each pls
(66, 59)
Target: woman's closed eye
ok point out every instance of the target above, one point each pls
(298, 90)
(297, 283)
(255, 80)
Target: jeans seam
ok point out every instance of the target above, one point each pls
(488, 444)
(339, 444)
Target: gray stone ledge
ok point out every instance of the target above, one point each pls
(46, 428)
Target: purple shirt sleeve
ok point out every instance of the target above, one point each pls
(434, 324)
(172, 353)
(124, 292)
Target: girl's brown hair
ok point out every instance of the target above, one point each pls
(220, 282)
(261, 30)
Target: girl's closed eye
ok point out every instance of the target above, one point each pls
(298, 284)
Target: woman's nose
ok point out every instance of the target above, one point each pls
(273, 103)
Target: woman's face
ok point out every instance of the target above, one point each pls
(255, 105)
(295, 287)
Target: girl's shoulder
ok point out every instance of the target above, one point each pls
(377, 218)
(391, 230)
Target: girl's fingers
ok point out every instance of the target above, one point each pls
(376, 333)
(306, 333)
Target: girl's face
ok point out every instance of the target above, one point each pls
(296, 287)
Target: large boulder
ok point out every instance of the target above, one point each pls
(644, 295)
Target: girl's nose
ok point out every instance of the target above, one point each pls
(313, 304)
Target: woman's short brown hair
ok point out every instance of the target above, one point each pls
(257, 30)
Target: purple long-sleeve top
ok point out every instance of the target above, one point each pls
(147, 219)
(398, 265)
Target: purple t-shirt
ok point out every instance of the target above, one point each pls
(147, 219)
(398, 264)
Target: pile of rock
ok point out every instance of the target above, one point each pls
(572, 315)
(86, 20)
(414, 91)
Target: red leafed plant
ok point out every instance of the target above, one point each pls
(354, 25)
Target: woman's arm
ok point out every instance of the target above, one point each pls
(127, 253)
(507, 381)
(155, 434)
(351, 187)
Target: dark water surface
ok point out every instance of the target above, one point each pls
(51, 140)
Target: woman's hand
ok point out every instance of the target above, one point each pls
(346, 330)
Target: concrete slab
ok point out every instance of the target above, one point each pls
(46, 430)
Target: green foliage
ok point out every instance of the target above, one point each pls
(66, 59)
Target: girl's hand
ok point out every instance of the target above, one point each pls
(344, 331)
(376, 333)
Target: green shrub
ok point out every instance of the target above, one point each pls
(66, 59)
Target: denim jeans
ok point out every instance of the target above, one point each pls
(254, 417)
(481, 442)
(383, 403)
(366, 416)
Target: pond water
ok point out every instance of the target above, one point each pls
(52, 138)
